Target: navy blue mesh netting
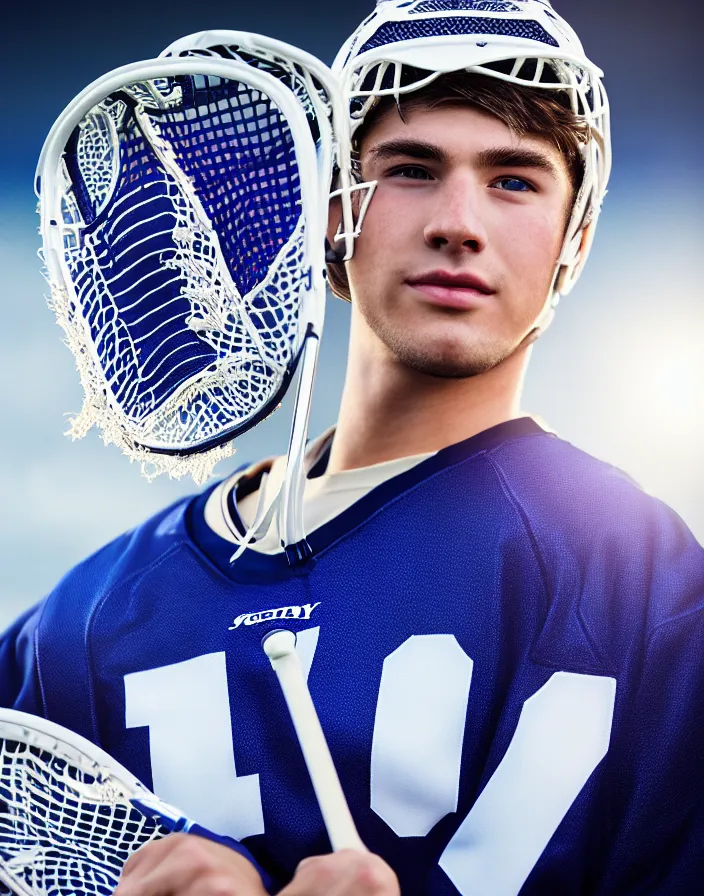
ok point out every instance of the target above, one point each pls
(239, 153)
(393, 32)
(290, 75)
(167, 297)
(475, 5)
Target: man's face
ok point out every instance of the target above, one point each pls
(459, 247)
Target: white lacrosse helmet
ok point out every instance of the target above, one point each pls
(523, 42)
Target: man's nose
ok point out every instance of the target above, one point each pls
(456, 219)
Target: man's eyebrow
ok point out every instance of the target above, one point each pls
(511, 157)
(414, 149)
(497, 157)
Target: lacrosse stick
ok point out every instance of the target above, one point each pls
(183, 210)
(280, 647)
(70, 815)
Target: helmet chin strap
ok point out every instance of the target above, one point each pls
(564, 278)
(540, 325)
(546, 316)
(558, 288)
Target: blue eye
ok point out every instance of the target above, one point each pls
(513, 185)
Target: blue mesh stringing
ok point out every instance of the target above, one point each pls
(237, 150)
(240, 154)
(138, 300)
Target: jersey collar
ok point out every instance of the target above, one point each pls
(267, 568)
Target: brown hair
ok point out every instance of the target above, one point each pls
(527, 111)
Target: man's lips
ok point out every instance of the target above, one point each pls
(459, 291)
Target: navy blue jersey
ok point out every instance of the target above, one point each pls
(504, 645)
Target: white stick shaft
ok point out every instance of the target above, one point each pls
(328, 790)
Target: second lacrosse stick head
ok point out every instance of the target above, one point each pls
(183, 211)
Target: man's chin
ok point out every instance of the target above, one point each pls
(445, 353)
(450, 365)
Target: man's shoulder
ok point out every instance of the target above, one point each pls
(126, 556)
(557, 484)
(600, 537)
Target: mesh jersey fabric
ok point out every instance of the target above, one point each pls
(457, 597)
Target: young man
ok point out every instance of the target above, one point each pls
(502, 634)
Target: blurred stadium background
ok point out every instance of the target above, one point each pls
(620, 374)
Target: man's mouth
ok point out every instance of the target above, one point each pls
(451, 290)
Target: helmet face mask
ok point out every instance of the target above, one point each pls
(407, 44)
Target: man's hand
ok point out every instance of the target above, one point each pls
(344, 873)
(187, 865)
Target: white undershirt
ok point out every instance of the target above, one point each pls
(324, 498)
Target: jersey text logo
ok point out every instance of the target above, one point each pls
(302, 613)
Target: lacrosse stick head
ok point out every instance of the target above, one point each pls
(183, 225)
(69, 814)
(406, 44)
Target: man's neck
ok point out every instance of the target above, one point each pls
(390, 411)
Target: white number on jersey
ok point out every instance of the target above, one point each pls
(187, 709)
(418, 733)
(562, 735)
